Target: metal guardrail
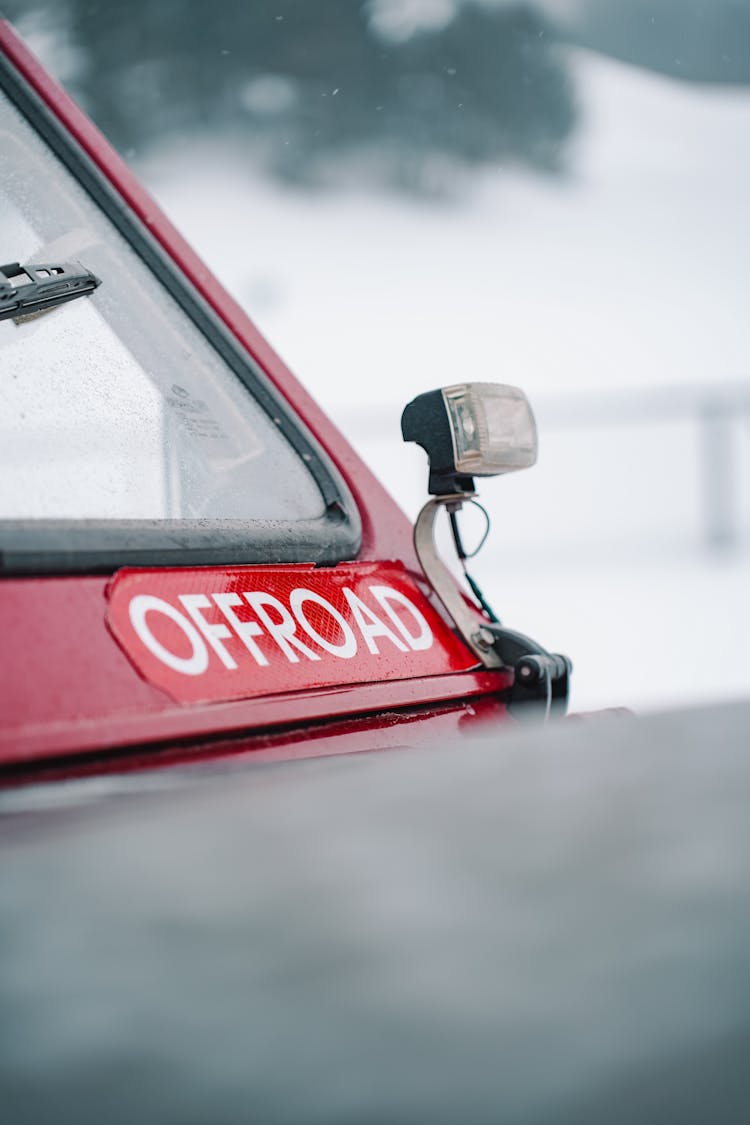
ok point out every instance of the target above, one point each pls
(643, 405)
(716, 408)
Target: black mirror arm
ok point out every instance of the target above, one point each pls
(540, 678)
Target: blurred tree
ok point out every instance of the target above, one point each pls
(312, 84)
(697, 40)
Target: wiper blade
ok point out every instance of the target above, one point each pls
(35, 288)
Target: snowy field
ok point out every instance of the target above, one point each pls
(617, 297)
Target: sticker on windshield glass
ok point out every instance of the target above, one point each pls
(214, 634)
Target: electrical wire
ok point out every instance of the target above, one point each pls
(548, 685)
(463, 555)
(462, 552)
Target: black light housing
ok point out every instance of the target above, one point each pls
(425, 421)
(471, 429)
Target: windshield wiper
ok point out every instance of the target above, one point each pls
(35, 288)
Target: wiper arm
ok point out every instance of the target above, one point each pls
(35, 288)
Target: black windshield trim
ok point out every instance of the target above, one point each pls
(64, 546)
(43, 546)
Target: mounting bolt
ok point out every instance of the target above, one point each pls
(483, 639)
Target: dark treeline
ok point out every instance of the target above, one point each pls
(307, 84)
(696, 40)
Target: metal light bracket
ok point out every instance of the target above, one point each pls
(540, 679)
(476, 635)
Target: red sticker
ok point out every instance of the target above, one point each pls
(212, 634)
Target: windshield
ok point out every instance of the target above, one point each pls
(115, 406)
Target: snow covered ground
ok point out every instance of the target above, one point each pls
(622, 290)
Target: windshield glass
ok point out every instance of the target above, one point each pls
(115, 406)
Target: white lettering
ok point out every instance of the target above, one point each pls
(214, 634)
(369, 625)
(245, 630)
(385, 595)
(192, 665)
(348, 648)
(284, 630)
(329, 628)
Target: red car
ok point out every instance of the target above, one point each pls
(197, 568)
(195, 562)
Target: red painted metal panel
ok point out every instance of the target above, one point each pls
(387, 730)
(68, 688)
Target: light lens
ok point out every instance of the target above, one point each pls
(493, 428)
